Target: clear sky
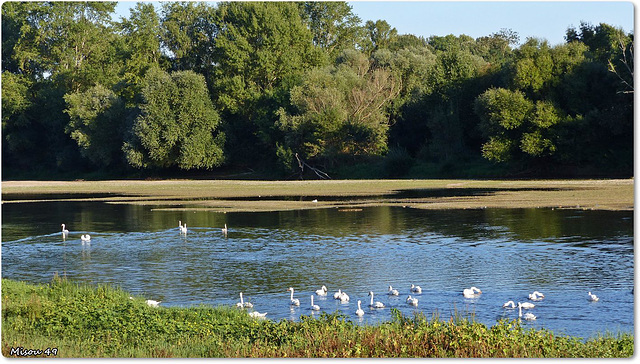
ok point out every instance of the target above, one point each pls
(541, 19)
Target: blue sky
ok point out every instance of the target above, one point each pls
(541, 19)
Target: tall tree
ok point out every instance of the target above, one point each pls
(178, 125)
(333, 24)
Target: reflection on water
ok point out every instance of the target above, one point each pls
(507, 253)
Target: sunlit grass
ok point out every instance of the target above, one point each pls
(199, 194)
(85, 321)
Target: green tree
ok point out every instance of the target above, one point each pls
(140, 35)
(177, 125)
(340, 110)
(333, 24)
(96, 123)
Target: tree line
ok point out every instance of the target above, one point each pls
(276, 86)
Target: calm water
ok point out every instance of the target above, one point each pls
(508, 253)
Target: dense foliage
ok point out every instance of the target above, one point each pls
(83, 321)
(273, 86)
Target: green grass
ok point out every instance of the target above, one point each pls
(85, 321)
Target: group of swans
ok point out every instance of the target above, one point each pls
(183, 228)
(255, 314)
(342, 296)
(84, 238)
(535, 296)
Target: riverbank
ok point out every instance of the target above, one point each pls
(232, 195)
(82, 321)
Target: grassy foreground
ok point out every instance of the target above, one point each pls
(84, 321)
(450, 194)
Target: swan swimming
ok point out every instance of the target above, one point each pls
(183, 229)
(536, 296)
(314, 307)
(509, 304)
(337, 294)
(593, 297)
(416, 289)
(471, 292)
(294, 301)
(152, 303)
(344, 297)
(527, 305)
(527, 316)
(393, 292)
(412, 301)
(322, 291)
(224, 230)
(85, 238)
(359, 311)
(242, 303)
(64, 230)
(376, 304)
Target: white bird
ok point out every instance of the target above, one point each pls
(509, 304)
(344, 297)
(527, 305)
(294, 301)
(85, 238)
(536, 296)
(376, 304)
(64, 230)
(593, 297)
(322, 291)
(412, 301)
(337, 294)
(183, 229)
(224, 229)
(527, 316)
(314, 200)
(314, 307)
(242, 303)
(471, 292)
(256, 314)
(359, 311)
(152, 303)
(416, 289)
(393, 292)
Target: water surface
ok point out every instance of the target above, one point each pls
(508, 253)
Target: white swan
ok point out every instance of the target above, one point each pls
(593, 297)
(527, 316)
(322, 291)
(471, 292)
(224, 230)
(152, 303)
(393, 292)
(183, 229)
(344, 297)
(256, 314)
(509, 304)
(376, 304)
(412, 301)
(243, 304)
(527, 305)
(416, 289)
(359, 311)
(85, 238)
(314, 307)
(294, 301)
(64, 230)
(337, 294)
(536, 296)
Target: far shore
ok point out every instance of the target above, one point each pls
(248, 196)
